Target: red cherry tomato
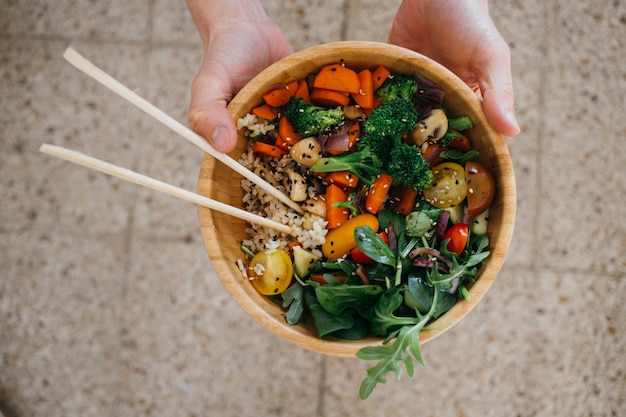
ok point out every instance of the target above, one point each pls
(358, 256)
(461, 143)
(458, 235)
(481, 188)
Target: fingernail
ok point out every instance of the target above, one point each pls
(219, 137)
(510, 117)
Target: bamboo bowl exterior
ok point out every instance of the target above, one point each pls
(222, 234)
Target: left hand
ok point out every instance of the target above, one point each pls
(460, 35)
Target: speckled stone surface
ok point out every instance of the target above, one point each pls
(109, 305)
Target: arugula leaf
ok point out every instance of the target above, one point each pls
(391, 355)
(384, 318)
(458, 271)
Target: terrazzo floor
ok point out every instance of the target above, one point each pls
(108, 302)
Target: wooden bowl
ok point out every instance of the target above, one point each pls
(222, 234)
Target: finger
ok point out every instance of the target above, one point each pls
(208, 116)
(496, 87)
(498, 108)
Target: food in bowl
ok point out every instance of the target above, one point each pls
(223, 234)
(396, 207)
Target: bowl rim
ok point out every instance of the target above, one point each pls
(314, 57)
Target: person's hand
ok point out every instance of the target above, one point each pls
(238, 44)
(460, 35)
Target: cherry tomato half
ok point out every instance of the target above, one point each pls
(458, 235)
(481, 188)
(272, 272)
(448, 188)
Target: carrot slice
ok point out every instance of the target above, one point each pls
(321, 278)
(303, 91)
(265, 111)
(277, 97)
(337, 77)
(267, 149)
(292, 87)
(407, 201)
(365, 97)
(377, 193)
(329, 98)
(336, 216)
(291, 245)
(343, 179)
(286, 133)
(379, 76)
(354, 133)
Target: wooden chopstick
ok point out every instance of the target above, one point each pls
(80, 62)
(140, 179)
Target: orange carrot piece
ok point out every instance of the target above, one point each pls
(291, 245)
(379, 76)
(365, 97)
(343, 179)
(337, 77)
(264, 111)
(321, 279)
(407, 201)
(277, 97)
(267, 149)
(377, 193)
(286, 132)
(354, 133)
(329, 98)
(303, 91)
(292, 87)
(336, 216)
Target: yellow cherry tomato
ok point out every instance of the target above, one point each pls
(272, 272)
(340, 241)
(449, 186)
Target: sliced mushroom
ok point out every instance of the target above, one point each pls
(306, 151)
(295, 184)
(315, 205)
(262, 171)
(353, 112)
(432, 128)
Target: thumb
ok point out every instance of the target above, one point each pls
(208, 116)
(496, 87)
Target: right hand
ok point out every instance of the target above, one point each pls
(236, 50)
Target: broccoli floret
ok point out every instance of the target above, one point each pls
(407, 166)
(379, 145)
(399, 86)
(363, 163)
(393, 117)
(309, 119)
